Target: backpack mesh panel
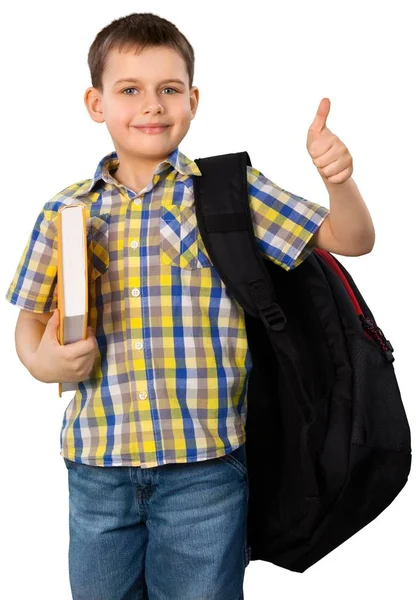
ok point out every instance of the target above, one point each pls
(379, 419)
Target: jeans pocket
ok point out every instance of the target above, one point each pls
(68, 463)
(237, 460)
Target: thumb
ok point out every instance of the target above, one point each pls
(52, 326)
(90, 331)
(54, 320)
(319, 124)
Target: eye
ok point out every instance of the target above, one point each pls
(168, 88)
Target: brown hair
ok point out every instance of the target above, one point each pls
(136, 31)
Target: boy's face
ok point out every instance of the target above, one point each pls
(126, 104)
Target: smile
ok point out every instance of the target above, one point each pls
(152, 130)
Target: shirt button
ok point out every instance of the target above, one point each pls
(135, 292)
(143, 395)
(138, 345)
(137, 201)
(134, 244)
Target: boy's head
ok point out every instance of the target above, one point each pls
(154, 52)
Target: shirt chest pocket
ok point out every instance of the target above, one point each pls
(98, 245)
(180, 242)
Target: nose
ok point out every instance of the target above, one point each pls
(153, 108)
(152, 101)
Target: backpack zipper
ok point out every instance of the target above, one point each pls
(376, 333)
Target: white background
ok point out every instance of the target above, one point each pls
(262, 69)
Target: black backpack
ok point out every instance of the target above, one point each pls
(327, 438)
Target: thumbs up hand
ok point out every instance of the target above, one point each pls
(331, 157)
(54, 363)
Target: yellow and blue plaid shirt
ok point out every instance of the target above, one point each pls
(170, 382)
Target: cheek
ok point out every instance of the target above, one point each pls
(184, 115)
(120, 113)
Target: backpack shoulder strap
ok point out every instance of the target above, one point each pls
(225, 224)
(226, 227)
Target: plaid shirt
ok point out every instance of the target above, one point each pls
(170, 382)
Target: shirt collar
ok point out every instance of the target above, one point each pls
(181, 163)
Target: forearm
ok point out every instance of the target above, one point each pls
(28, 335)
(349, 217)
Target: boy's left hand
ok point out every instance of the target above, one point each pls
(331, 157)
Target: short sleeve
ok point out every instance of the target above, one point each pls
(33, 286)
(284, 223)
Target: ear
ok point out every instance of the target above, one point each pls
(194, 99)
(92, 101)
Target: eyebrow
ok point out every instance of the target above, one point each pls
(133, 80)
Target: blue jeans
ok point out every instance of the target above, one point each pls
(171, 532)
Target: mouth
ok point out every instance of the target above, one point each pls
(153, 129)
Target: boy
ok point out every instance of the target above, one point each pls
(162, 375)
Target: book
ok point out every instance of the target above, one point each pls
(72, 278)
